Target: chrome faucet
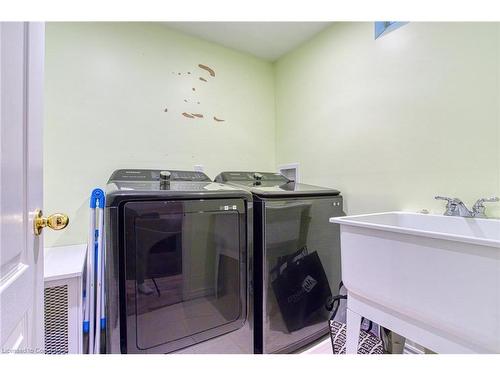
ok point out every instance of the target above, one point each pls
(455, 207)
(479, 208)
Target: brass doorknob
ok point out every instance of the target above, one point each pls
(54, 221)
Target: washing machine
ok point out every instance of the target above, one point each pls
(178, 264)
(296, 258)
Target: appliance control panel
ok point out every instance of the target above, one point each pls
(143, 175)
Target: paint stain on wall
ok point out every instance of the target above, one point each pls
(189, 114)
(208, 69)
(192, 115)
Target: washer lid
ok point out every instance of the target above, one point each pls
(270, 189)
(272, 185)
(151, 175)
(156, 184)
(251, 176)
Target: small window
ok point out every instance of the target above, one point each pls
(384, 27)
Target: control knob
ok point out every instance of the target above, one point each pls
(165, 180)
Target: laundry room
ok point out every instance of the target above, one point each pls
(252, 187)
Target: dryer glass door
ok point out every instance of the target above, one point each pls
(185, 266)
(301, 270)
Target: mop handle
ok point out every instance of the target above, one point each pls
(98, 308)
(90, 243)
(96, 208)
(103, 282)
(90, 282)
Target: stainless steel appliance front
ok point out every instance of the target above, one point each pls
(178, 269)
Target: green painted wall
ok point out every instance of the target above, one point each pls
(394, 121)
(106, 90)
(390, 122)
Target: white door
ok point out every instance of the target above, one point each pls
(21, 252)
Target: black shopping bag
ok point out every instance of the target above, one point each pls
(301, 288)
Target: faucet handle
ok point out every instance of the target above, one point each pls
(443, 198)
(449, 200)
(492, 199)
(478, 208)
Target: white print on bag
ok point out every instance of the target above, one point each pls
(307, 285)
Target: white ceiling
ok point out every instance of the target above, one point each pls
(267, 40)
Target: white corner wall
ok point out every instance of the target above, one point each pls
(107, 88)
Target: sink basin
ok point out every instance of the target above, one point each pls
(437, 274)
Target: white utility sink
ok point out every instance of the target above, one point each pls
(431, 278)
